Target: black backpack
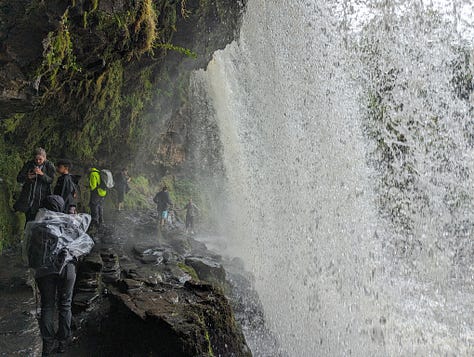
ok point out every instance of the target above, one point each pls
(42, 250)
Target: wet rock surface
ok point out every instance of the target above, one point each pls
(149, 295)
(207, 269)
(19, 333)
(143, 293)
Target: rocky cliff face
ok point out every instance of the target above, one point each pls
(103, 81)
(20, 48)
(78, 76)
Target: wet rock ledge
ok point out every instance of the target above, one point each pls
(161, 297)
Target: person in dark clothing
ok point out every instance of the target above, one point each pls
(65, 186)
(55, 279)
(122, 187)
(36, 176)
(191, 211)
(163, 202)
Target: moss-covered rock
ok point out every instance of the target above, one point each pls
(93, 68)
(10, 223)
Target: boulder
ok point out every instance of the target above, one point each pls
(192, 320)
(207, 269)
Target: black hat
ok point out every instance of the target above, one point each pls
(64, 162)
(53, 203)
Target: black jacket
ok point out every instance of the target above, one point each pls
(66, 188)
(162, 200)
(121, 183)
(35, 190)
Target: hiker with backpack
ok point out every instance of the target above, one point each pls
(36, 176)
(163, 202)
(53, 243)
(65, 186)
(99, 182)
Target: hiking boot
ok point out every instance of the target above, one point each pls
(63, 344)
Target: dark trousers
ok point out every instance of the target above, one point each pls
(96, 205)
(121, 194)
(31, 214)
(50, 287)
(190, 222)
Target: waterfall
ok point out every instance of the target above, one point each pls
(346, 149)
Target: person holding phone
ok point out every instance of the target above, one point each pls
(36, 176)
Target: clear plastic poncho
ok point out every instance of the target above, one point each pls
(71, 232)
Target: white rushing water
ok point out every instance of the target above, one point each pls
(347, 154)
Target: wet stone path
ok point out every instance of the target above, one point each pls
(19, 333)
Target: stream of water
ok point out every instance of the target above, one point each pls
(345, 132)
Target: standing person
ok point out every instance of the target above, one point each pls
(163, 202)
(171, 218)
(122, 186)
(98, 194)
(65, 186)
(36, 176)
(54, 241)
(191, 211)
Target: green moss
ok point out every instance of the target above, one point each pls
(185, 13)
(9, 125)
(208, 340)
(184, 51)
(101, 107)
(144, 29)
(6, 219)
(84, 19)
(139, 195)
(189, 270)
(10, 165)
(11, 224)
(95, 5)
(169, 17)
(58, 56)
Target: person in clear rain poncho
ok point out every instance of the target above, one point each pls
(53, 244)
